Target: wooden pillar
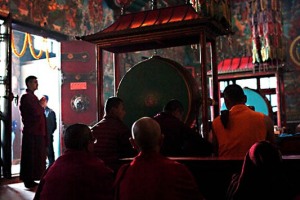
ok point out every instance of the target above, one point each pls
(7, 101)
(100, 73)
(117, 74)
(281, 112)
(215, 82)
(204, 86)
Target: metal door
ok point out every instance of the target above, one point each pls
(79, 84)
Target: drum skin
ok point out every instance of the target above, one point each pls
(150, 84)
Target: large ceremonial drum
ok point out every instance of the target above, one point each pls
(150, 84)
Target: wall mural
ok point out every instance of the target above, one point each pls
(4, 5)
(240, 45)
(291, 32)
(71, 17)
(83, 17)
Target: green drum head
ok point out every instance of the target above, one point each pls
(150, 84)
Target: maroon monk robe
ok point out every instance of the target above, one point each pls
(34, 140)
(112, 141)
(154, 176)
(76, 175)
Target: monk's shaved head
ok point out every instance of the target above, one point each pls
(146, 134)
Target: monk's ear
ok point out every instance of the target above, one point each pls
(245, 98)
(133, 144)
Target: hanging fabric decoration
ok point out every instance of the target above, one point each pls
(266, 25)
(28, 41)
(32, 51)
(13, 47)
(219, 10)
(48, 60)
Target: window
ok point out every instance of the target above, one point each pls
(265, 85)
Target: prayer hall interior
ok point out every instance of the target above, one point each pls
(84, 52)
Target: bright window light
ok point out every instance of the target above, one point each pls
(268, 82)
(249, 83)
(43, 43)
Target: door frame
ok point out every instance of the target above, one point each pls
(6, 160)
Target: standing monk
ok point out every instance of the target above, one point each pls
(34, 140)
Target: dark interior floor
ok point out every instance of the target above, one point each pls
(13, 189)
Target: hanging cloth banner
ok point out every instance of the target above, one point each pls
(266, 25)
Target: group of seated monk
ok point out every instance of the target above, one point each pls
(90, 167)
(79, 174)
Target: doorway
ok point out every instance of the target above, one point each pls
(38, 56)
